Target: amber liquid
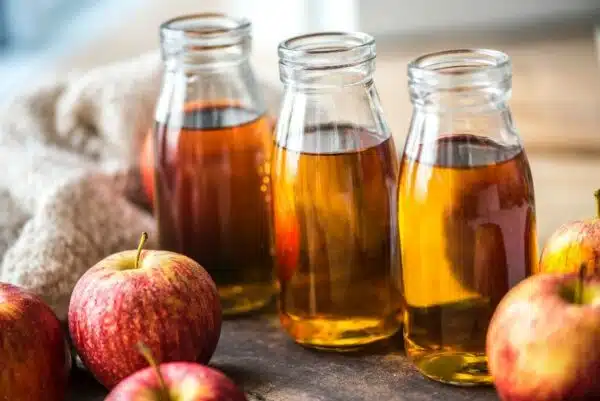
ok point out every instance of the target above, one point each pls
(336, 238)
(212, 198)
(467, 229)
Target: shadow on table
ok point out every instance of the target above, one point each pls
(83, 387)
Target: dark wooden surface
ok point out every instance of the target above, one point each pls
(257, 355)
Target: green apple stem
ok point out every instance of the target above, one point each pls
(139, 249)
(147, 354)
(597, 195)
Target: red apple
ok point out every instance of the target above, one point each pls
(146, 167)
(176, 381)
(572, 244)
(162, 299)
(543, 342)
(35, 360)
(287, 244)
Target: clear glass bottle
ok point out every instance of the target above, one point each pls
(333, 175)
(466, 210)
(212, 148)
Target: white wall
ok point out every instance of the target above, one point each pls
(274, 20)
(409, 16)
(118, 29)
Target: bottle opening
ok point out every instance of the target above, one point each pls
(205, 31)
(327, 50)
(452, 69)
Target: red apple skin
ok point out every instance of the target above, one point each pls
(189, 381)
(169, 303)
(541, 347)
(146, 167)
(35, 360)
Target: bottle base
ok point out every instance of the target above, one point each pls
(338, 335)
(451, 367)
(243, 299)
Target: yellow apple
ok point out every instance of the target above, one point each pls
(573, 245)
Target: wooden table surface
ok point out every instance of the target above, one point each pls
(257, 355)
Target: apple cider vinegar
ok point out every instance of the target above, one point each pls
(334, 232)
(213, 199)
(468, 228)
(334, 173)
(212, 148)
(466, 211)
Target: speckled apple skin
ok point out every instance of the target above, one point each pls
(542, 348)
(34, 357)
(572, 245)
(170, 304)
(186, 381)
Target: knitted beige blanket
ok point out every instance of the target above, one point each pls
(70, 191)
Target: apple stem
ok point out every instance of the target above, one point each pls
(143, 240)
(579, 295)
(597, 195)
(147, 354)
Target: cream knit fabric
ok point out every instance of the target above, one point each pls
(69, 188)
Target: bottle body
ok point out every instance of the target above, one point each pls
(467, 228)
(212, 145)
(334, 174)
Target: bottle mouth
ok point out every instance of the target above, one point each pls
(461, 68)
(326, 50)
(206, 31)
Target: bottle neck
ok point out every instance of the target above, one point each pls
(205, 42)
(468, 99)
(329, 93)
(326, 61)
(461, 81)
(337, 79)
(233, 84)
(207, 61)
(305, 110)
(480, 110)
(480, 113)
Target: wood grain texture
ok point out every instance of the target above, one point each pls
(258, 356)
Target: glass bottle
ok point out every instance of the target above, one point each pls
(333, 175)
(466, 210)
(212, 146)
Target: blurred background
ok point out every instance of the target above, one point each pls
(554, 46)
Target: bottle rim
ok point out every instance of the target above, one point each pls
(326, 50)
(207, 30)
(467, 67)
